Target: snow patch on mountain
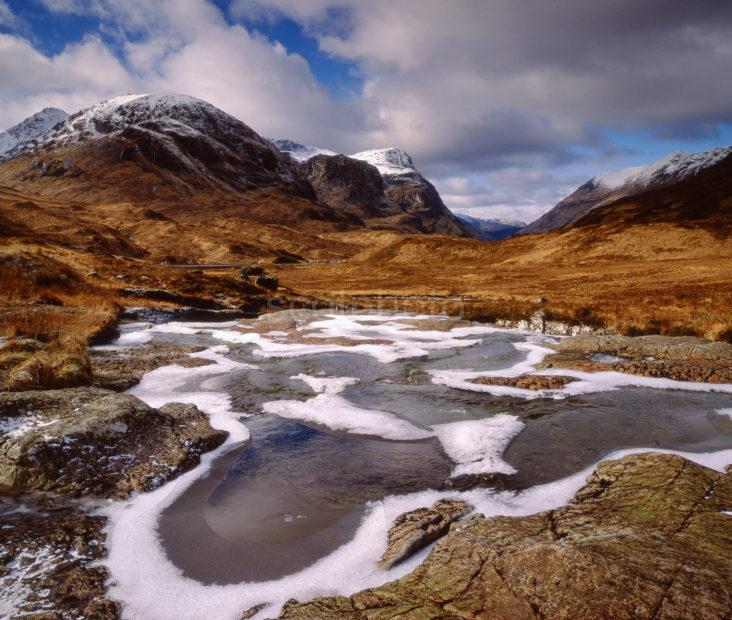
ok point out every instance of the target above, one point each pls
(31, 128)
(389, 162)
(675, 166)
(297, 151)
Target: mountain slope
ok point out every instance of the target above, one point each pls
(491, 230)
(404, 201)
(174, 153)
(610, 187)
(31, 128)
(702, 199)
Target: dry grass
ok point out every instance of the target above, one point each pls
(648, 279)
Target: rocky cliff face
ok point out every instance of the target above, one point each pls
(404, 200)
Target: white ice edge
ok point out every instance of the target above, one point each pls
(586, 382)
(151, 587)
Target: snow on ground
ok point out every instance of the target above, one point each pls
(727, 412)
(389, 162)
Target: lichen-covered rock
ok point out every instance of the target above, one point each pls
(645, 538)
(47, 569)
(682, 358)
(528, 382)
(120, 369)
(89, 441)
(416, 529)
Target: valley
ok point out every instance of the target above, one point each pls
(243, 377)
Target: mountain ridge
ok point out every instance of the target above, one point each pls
(190, 160)
(604, 188)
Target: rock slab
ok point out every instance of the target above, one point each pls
(646, 537)
(416, 529)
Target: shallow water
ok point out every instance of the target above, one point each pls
(299, 489)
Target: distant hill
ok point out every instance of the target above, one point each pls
(491, 230)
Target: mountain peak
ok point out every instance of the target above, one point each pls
(31, 128)
(675, 166)
(297, 151)
(388, 161)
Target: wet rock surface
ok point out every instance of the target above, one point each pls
(89, 441)
(120, 369)
(646, 537)
(682, 358)
(46, 552)
(416, 529)
(527, 382)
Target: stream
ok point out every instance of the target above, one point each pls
(339, 422)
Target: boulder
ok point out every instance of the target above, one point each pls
(268, 282)
(416, 529)
(90, 441)
(647, 537)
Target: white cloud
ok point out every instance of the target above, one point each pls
(7, 17)
(494, 93)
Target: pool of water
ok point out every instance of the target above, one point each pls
(299, 488)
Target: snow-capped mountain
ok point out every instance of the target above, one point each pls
(399, 191)
(603, 188)
(297, 151)
(491, 229)
(389, 162)
(673, 167)
(189, 159)
(31, 128)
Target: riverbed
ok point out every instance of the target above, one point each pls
(339, 422)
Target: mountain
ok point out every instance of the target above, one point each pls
(297, 151)
(31, 128)
(491, 230)
(188, 160)
(381, 186)
(607, 188)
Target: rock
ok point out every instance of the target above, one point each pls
(645, 538)
(528, 382)
(250, 271)
(268, 282)
(46, 563)
(682, 358)
(119, 370)
(540, 300)
(416, 529)
(89, 441)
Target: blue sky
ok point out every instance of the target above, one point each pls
(505, 106)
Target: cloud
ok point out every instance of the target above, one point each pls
(511, 97)
(82, 73)
(530, 77)
(8, 19)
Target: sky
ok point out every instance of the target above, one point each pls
(505, 106)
